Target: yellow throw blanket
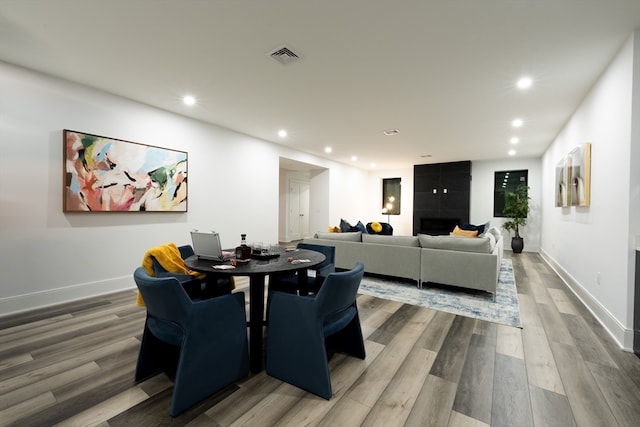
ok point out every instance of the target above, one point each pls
(168, 256)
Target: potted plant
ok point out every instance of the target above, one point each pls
(516, 207)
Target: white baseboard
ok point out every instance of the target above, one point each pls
(623, 336)
(26, 302)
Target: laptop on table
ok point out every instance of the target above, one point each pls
(206, 245)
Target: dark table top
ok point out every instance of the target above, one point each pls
(260, 266)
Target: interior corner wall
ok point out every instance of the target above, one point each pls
(591, 247)
(634, 189)
(350, 205)
(319, 200)
(49, 257)
(283, 190)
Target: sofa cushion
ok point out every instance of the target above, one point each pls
(464, 233)
(345, 227)
(387, 229)
(492, 240)
(479, 228)
(496, 233)
(361, 227)
(391, 240)
(456, 243)
(348, 237)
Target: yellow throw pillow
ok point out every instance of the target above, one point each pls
(464, 233)
(376, 226)
(333, 229)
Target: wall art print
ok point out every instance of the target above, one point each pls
(573, 178)
(110, 175)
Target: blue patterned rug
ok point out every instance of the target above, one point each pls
(479, 305)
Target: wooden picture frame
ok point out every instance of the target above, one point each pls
(104, 174)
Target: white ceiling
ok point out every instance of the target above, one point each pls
(442, 72)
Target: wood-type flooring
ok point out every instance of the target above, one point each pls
(73, 365)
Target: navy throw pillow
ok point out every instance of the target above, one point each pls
(345, 227)
(471, 227)
(361, 227)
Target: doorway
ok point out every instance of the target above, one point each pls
(298, 209)
(303, 199)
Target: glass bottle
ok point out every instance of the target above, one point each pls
(243, 252)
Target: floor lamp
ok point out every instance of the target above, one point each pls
(388, 207)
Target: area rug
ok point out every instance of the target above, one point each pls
(504, 310)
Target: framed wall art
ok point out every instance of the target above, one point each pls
(104, 174)
(573, 178)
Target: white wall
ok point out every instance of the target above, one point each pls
(47, 256)
(319, 203)
(402, 224)
(587, 243)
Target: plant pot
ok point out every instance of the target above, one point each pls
(517, 244)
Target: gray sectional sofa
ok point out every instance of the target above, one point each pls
(468, 262)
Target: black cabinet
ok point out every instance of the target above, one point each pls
(441, 196)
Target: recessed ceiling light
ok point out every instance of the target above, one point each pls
(512, 152)
(328, 149)
(516, 123)
(524, 83)
(425, 155)
(514, 140)
(391, 132)
(282, 133)
(189, 100)
(354, 158)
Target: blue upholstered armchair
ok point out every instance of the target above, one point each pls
(192, 285)
(289, 282)
(196, 288)
(202, 344)
(301, 328)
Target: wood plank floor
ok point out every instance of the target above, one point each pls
(73, 365)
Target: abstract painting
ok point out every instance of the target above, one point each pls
(110, 175)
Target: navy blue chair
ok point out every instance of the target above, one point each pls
(289, 282)
(201, 344)
(192, 285)
(196, 288)
(301, 330)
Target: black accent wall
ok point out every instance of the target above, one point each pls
(441, 196)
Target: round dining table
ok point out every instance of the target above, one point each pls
(279, 261)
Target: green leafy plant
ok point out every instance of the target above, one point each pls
(516, 207)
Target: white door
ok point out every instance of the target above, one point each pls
(298, 210)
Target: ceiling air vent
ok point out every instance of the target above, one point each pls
(284, 55)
